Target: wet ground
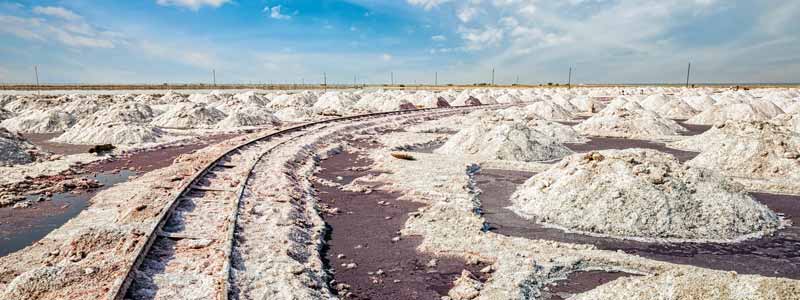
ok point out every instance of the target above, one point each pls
(362, 233)
(776, 256)
(693, 129)
(20, 228)
(42, 140)
(603, 143)
(579, 282)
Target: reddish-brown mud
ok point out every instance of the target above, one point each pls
(361, 233)
(42, 140)
(579, 282)
(777, 255)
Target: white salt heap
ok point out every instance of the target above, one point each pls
(503, 141)
(248, 116)
(755, 150)
(549, 111)
(625, 123)
(4, 114)
(121, 124)
(334, 103)
(48, 121)
(791, 121)
(189, 115)
(724, 112)
(14, 149)
(644, 194)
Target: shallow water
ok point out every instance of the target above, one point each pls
(20, 228)
(604, 143)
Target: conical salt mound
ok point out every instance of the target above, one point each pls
(503, 141)
(642, 194)
(4, 115)
(49, 121)
(625, 123)
(14, 149)
(549, 111)
(121, 124)
(728, 112)
(113, 133)
(189, 115)
(791, 121)
(248, 116)
(755, 150)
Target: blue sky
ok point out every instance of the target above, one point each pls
(606, 41)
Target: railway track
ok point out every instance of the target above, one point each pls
(189, 248)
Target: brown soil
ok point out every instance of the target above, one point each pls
(579, 282)
(362, 231)
(777, 255)
(603, 143)
(42, 140)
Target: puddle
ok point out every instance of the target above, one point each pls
(693, 129)
(603, 143)
(362, 232)
(776, 256)
(579, 282)
(20, 228)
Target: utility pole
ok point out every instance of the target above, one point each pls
(214, 77)
(435, 78)
(517, 79)
(569, 81)
(688, 72)
(36, 72)
(492, 76)
(391, 76)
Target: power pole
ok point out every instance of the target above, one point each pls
(569, 81)
(688, 72)
(435, 78)
(517, 79)
(36, 72)
(214, 77)
(492, 76)
(391, 76)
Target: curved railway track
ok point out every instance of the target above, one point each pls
(201, 220)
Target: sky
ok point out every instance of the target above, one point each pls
(461, 41)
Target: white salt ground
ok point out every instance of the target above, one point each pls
(642, 194)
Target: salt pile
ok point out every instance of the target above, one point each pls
(189, 115)
(334, 104)
(669, 107)
(294, 114)
(700, 103)
(724, 112)
(747, 149)
(503, 141)
(248, 116)
(14, 149)
(4, 114)
(625, 123)
(304, 99)
(549, 111)
(48, 121)
(644, 194)
(791, 121)
(558, 132)
(121, 124)
(433, 101)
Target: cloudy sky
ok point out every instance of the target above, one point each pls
(605, 41)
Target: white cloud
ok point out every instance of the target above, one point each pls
(478, 39)
(58, 12)
(427, 4)
(193, 4)
(465, 14)
(386, 57)
(438, 38)
(67, 28)
(275, 13)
